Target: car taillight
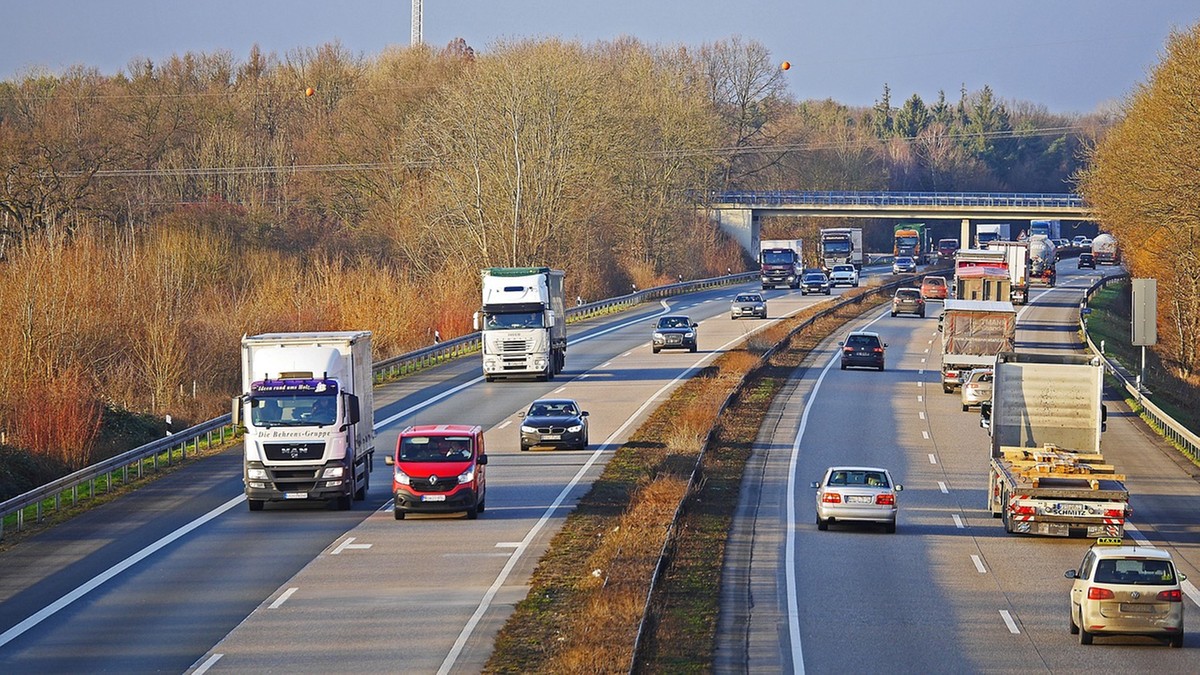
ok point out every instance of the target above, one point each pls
(1095, 593)
(878, 350)
(831, 498)
(1024, 511)
(885, 500)
(848, 350)
(1171, 596)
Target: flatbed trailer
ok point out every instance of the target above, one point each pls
(1057, 492)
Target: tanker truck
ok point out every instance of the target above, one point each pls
(1105, 250)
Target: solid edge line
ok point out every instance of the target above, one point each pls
(49, 610)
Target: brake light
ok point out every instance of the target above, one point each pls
(878, 350)
(885, 500)
(1024, 510)
(831, 498)
(1171, 596)
(1095, 593)
(848, 350)
(1114, 513)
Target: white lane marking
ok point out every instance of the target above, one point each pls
(942, 486)
(930, 342)
(926, 350)
(920, 398)
(605, 365)
(932, 458)
(349, 545)
(1008, 621)
(978, 564)
(921, 414)
(920, 383)
(506, 423)
(922, 360)
(584, 376)
(925, 434)
(958, 521)
(793, 606)
(486, 602)
(559, 390)
(921, 371)
(96, 581)
(1188, 587)
(208, 663)
(283, 598)
(507, 544)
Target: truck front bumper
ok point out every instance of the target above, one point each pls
(300, 483)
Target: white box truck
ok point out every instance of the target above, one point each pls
(307, 408)
(523, 322)
(1047, 475)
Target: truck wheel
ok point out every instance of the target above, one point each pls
(344, 503)
(255, 504)
(399, 514)
(1176, 641)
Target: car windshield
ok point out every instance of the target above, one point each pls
(814, 277)
(858, 477)
(1125, 571)
(935, 281)
(843, 268)
(435, 448)
(908, 294)
(748, 298)
(552, 408)
(674, 322)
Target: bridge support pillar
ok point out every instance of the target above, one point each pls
(964, 237)
(741, 225)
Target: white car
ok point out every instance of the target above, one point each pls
(1126, 590)
(843, 274)
(856, 494)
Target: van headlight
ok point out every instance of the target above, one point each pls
(466, 476)
(402, 478)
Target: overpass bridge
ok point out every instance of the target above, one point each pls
(739, 213)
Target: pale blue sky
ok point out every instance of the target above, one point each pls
(1069, 55)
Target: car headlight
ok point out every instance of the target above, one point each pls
(333, 472)
(256, 474)
(689, 334)
(658, 336)
(402, 478)
(528, 430)
(575, 429)
(466, 476)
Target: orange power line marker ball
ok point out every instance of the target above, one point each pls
(785, 65)
(310, 91)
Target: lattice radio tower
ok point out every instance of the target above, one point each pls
(418, 33)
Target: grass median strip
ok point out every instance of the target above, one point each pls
(589, 592)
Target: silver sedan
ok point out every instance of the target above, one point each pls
(856, 494)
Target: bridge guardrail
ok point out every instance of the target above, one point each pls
(147, 457)
(1164, 424)
(886, 198)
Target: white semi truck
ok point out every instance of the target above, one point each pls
(840, 246)
(307, 408)
(523, 322)
(1047, 475)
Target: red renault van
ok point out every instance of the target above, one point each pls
(439, 468)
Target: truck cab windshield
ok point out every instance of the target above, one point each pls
(835, 246)
(515, 320)
(293, 410)
(778, 257)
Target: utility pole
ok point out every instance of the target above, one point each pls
(418, 33)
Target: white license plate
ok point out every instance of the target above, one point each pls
(859, 499)
(552, 437)
(433, 498)
(295, 495)
(1136, 608)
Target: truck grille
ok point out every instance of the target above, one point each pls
(295, 480)
(294, 452)
(514, 346)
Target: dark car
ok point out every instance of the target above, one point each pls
(674, 332)
(815, 282)
(555, 422)
(1086, 260)
(908, 301)
(862, 348)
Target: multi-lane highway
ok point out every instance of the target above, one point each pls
(181, 575)
(950, 591)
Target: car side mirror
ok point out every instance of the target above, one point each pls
(841, 344)
(482, 459)
(816, 484)
(583, 414)
(695, 325)
(1071, 574)
(389, 460)
(899, 488)
(885, 344)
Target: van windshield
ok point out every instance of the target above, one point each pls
(435, 449)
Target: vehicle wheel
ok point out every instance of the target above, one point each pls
(473, 513)
(890, 528)
(1085, 638)
(524, 448)
(488, 378)
(764, 316)
(482, 505)
(255, 504)
(922, 315)
(856, 284)
(549, 374)
(947, 390)
(583, 444)
(881, 367)
(733, 317)
(399, 514)
(1074, 629)
(822, 525)
(893, 314)
(828, 292)
(654, 349)
(1177, 641)
(843, 366)
(692, 349)
(966, 408)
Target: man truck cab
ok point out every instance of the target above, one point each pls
(439, 468)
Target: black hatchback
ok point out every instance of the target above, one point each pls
(862, 349)
(1086, 260)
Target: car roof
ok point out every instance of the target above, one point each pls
(863, 332)
(858, 468)
(842, 266)
(673, 316)
(439, 430)
(1131, 552)
(554, 401)
(933, 278)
